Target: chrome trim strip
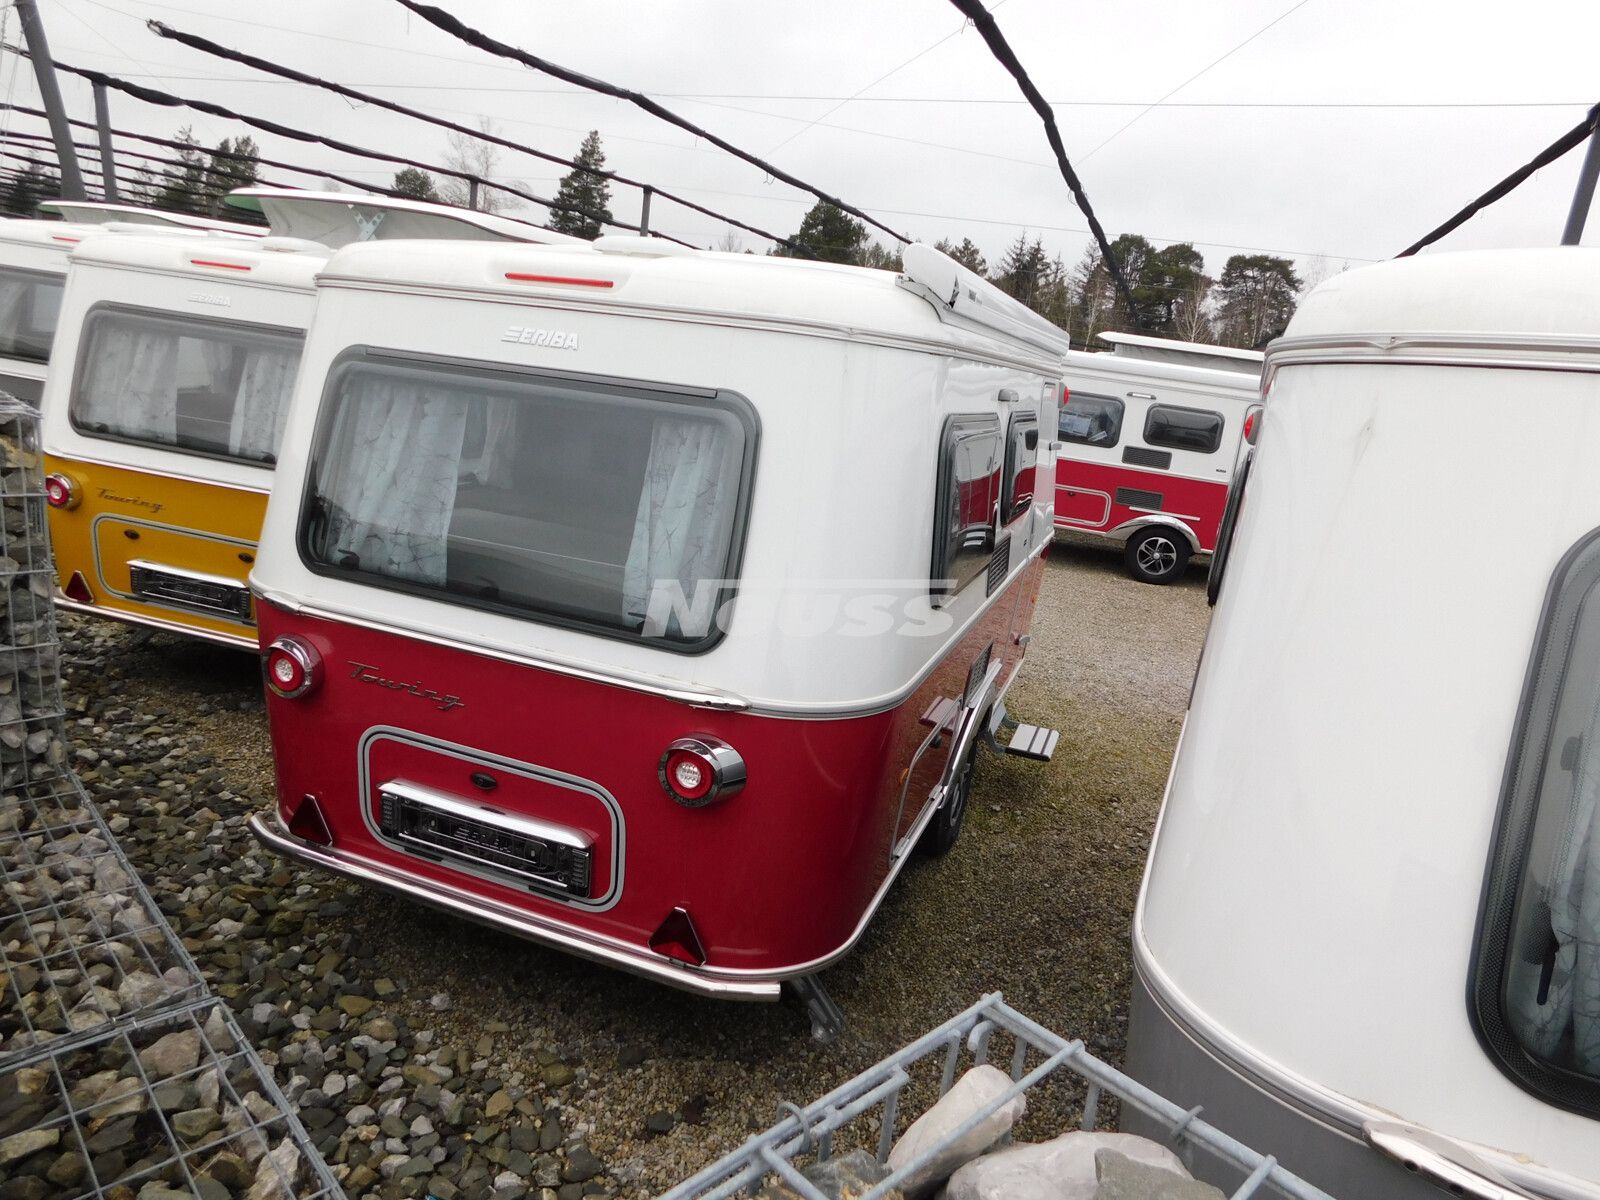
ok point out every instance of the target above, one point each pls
(1538, 352)
(1162, 519)
(269, 831)
(204, 635)
(698, 698)
(1073, 522)
(482, 813)
(1441, 1161)
(67, 461)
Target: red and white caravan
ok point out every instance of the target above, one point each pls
(647, 602)
(1149, 436)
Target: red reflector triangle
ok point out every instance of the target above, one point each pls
(677, 939)
(308, 823)
(78, 589)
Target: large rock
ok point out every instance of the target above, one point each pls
(1121, 1178)
(848, 1176)
(973, 1092)
(30, 1141)
(171, 1055)
(1061, 1169)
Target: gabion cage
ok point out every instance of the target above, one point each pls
(118, 1068)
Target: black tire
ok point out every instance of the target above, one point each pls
(1157, 554)
(945, 827)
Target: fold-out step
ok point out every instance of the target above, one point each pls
(1033, 741)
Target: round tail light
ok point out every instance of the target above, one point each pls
(293, 667)
(695, 771)
(60, 491)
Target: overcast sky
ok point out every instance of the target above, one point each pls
(1340, 134)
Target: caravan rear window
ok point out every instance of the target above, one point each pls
(29, 304)
(589, 503)
(214, 388)
(1537, 985)
(1090, 419)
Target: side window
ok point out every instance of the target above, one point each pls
(1183, 428)
(1536, 986)
(29, 304)
(1090, 419)
(1022, 453)
(1230, 519)
(966, 502)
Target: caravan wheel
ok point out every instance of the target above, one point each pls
(945, 827)
(1156, 555)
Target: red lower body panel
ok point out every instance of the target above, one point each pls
(775, 878)
(1095, 497)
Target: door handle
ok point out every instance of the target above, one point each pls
(1441, 1160)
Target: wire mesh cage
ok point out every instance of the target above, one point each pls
(872, 1109)
(119, 1071)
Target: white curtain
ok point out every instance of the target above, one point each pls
(1546, 1009)
(678, 528)
(12, 294)
(495, 465)
(262, 404)
(391, 490)
(131, 383)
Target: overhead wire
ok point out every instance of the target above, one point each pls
(168, 100)
(1574, 137)
(443, 20)
(998, 46)
(205, 45)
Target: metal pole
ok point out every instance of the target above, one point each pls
(102, 118)
(472, 193)
(644, 212)
(1585, 191)
(44, 69)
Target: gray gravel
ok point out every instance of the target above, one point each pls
(429, 1055)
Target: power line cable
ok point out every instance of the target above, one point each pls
(443, 20)
(168, 100)
(206, 46)
(1214, 62)
(1574, 137)
(975, 12)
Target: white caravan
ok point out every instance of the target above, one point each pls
(1369, 933)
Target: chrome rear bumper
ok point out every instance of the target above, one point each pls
(269, 831)
(245, 640)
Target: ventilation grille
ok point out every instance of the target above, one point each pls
(1136, 498)
(999, 563)
(1141, 456)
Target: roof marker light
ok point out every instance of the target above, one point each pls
(56, 237)
(519, 277)
(228, 266)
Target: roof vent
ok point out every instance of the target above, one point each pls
(642, 247)
(290, 245)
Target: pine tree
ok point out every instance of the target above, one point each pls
(233, 165)
(827, 234)
(183, 188)
(587, 196)
(414, 184)
(968, 255)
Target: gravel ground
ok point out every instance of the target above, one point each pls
(429, 1055)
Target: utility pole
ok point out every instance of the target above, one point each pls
(1581, 197)
(644, 212)
(44, 69)
(102, 118)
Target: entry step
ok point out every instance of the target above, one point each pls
(1033, 741)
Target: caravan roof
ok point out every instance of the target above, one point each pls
(932, 304)
(1194, 354)
(338, 218)
(95, 212)
(263, 262)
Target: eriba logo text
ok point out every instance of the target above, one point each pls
(529, 336)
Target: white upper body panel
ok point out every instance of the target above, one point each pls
(94, 212)
(265, 283)
(849, 379)
(1314, 885)
(1198, 354)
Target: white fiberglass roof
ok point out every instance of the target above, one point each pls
(1549, 292)
(270, 261)
(339, 218)
(1196, 354)
(95, 212)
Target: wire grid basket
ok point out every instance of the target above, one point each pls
(870, 1104)
(179, 1098)
(117, 1065)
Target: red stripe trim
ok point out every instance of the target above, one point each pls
(56, 237)
(206, 262)
(521, 278)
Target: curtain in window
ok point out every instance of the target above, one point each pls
(13, 293)
(130, 383)
(495, 466)
(392, 490)
(262, 405)
(678, 529)
(1563, 995)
